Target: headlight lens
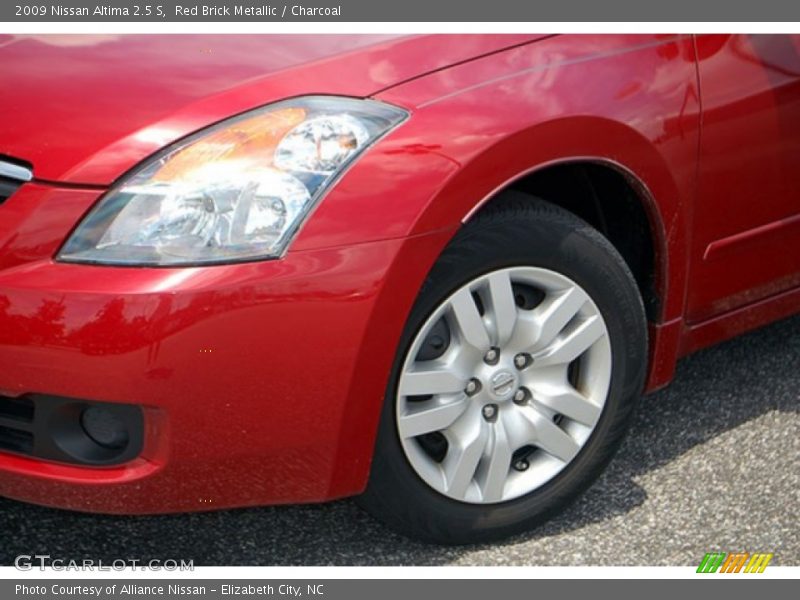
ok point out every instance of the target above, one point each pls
(236, 191)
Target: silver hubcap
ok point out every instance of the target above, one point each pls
(503, 385)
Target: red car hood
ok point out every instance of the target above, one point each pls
(84, 109)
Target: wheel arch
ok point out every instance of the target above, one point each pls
(660, 185)
(650, 266)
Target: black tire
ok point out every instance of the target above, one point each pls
(516, 229)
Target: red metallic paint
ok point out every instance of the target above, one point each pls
(263, 381)
(87, 108)
(246, 365)
(746, 244)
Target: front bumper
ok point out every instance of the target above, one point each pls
(260, 383)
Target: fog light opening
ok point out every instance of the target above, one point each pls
(104, 428)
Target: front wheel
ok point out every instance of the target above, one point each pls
(515, 378)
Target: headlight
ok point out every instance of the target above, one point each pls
(236, 191)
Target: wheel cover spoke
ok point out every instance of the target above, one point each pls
(554, 314)
(469, 321)
(502, 308)
(435, 415)
(568, 401)
(498, 464)
(466, 449)
(571, 346)
(548, 436)
(431, 381)
(507, 425)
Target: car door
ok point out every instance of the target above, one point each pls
(746, 244)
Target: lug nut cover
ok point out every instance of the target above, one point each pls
(473, 386)
(521, 361)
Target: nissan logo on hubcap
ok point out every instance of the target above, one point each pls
(502, 383)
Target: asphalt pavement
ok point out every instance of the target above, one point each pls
(711, 464)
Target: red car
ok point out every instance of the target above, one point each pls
(435, 272)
